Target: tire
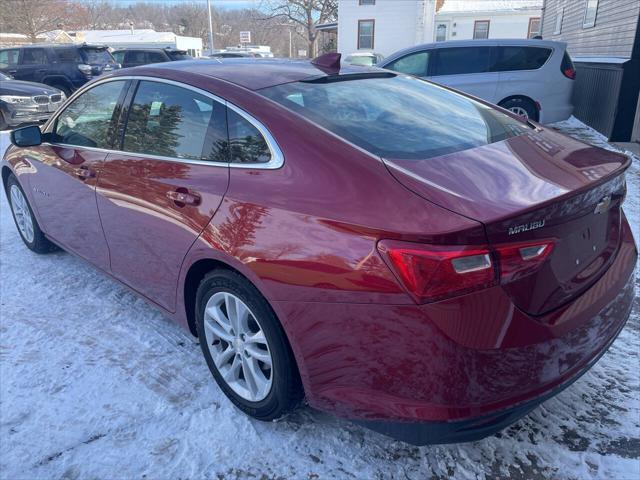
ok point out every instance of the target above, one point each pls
(523, 107)
(284, 393)
(3, 123)
(31, 235)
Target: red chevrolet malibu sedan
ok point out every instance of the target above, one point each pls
(400, 254)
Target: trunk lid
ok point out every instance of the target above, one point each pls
(535, 186)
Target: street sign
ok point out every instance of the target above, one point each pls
(245, 37)
(302, 53)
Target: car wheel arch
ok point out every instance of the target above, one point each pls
(194, 275)
(6, 171)
(54, 81)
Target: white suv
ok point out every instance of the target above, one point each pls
(533, 78)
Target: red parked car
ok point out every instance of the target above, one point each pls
(400, 254)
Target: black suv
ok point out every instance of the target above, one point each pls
(65, 67)
(133, 57)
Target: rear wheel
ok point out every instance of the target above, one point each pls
(523, 107)
(27, 225)
(245, 346)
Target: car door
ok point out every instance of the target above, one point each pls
(520, 71)
(159, 192)
(9, 61)
(68, 166)
(33, 65)
(466, 68)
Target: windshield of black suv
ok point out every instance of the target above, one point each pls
(178, 55)
(396, 116)
(96, 56)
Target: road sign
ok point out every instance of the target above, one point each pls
(245, 37)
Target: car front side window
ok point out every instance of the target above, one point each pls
(171, 121)
(413, 64)
(89, 120)
(9, 58)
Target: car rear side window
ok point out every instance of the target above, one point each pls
(171, 121)
(34, 56)
(155, 57)
(413, 64)
(461, 60)
(400, 117)
(512, 58)
(246, 143)
(67, 55)
(96, 56)
(88, 121)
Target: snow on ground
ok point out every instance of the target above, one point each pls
(95, 383)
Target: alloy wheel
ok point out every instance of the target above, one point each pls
(238, 346)
(519, 111)
(22, 214)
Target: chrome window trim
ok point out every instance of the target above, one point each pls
(277, 158)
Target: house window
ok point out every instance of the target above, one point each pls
(590, 14)
(558, 27)
(481, 29)
(367, 2)
(441, 32)
(534, 27)
(366, 33)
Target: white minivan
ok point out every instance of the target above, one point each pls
(533, 78)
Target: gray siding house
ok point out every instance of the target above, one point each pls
(603, 39)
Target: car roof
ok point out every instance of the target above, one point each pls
(144, 49)
(524, 42)
(61, 45)
(247, 72)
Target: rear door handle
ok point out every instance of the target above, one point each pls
(84, 173)
(182, 196)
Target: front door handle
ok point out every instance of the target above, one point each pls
(84, 173)
(182, 196)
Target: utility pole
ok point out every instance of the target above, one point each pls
(210, 26)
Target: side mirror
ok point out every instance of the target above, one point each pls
(27, 136)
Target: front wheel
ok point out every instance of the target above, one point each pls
(245, 346)
(23, 216)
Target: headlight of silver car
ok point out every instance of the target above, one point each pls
(16, 99)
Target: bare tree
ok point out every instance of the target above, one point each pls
(32, 18)
(305, 14)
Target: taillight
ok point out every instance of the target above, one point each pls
(432, 272)
(566, 67)
(520, 259)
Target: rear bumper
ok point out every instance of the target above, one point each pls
(471, 429)
(455, 370)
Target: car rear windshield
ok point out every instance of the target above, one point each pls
(398, 117)
(96, 56)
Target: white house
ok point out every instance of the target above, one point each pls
(385, 26)
(143, 38)
(468, 19)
